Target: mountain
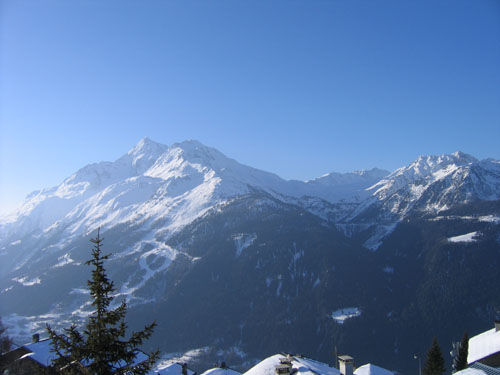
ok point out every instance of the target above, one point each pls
(237, 260)
(153, 186)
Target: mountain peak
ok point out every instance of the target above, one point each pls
(145, 146)
(144, 154)
(464, 157)
(372, 173)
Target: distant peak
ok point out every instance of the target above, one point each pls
(463, 156)
(146, 144)
(374, 172)
(435, 160)
(189, 143)
(195, 149)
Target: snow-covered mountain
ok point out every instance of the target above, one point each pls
(153, 184)
(427, 186)
(246, 254)
(435, 183)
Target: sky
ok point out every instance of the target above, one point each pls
(295, 87)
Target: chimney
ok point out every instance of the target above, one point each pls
(285, 367)
(36, 337)
(497, 320)
(346, 365)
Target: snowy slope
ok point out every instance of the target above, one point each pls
(154, 186)
(154, 182)
(142, 198)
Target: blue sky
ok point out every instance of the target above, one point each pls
(299, 88)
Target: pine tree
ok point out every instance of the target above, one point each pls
(101, 348)
(460, 361)
(434, 364)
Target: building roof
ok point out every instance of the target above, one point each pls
(483, 345)
(478, 369)
(304, 366)
(41, 352)
(221, 371)
(173, 368)
(370, 369)
(488, 370)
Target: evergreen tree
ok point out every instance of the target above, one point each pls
(460, 361)
(101, 348)
(434, 364)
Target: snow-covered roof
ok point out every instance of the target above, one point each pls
(370, 369)
(304, 366)
(171, 369)
(479, 369)
(483, 345)
(470, 371)
(41, 352)
(221, 371)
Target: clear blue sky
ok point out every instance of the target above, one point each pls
(299, 88)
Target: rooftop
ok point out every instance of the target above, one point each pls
(483, 345)
(370, 369)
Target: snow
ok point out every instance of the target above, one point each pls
(161, 253)
(41, 352)
(341, 315)
(316, 283)
(79, 291)
(483, 345)
(452, 174)
(170, 369)
(154, 182)
(268, 281)
(471, 371)
(494, 219)
(21, 328)
(377, 238)
(468, 237)
(242, 241)
(221, 371)
(64, 260)
(489, 219)
(388, 270)
(304, 366)
(161, 189)
(265, 367)
(312, 367)
(278, 289)
(370, 369)
(25, 282)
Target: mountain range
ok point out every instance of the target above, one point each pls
(242, 263)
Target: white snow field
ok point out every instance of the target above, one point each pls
(468, 237)
(341, 315)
